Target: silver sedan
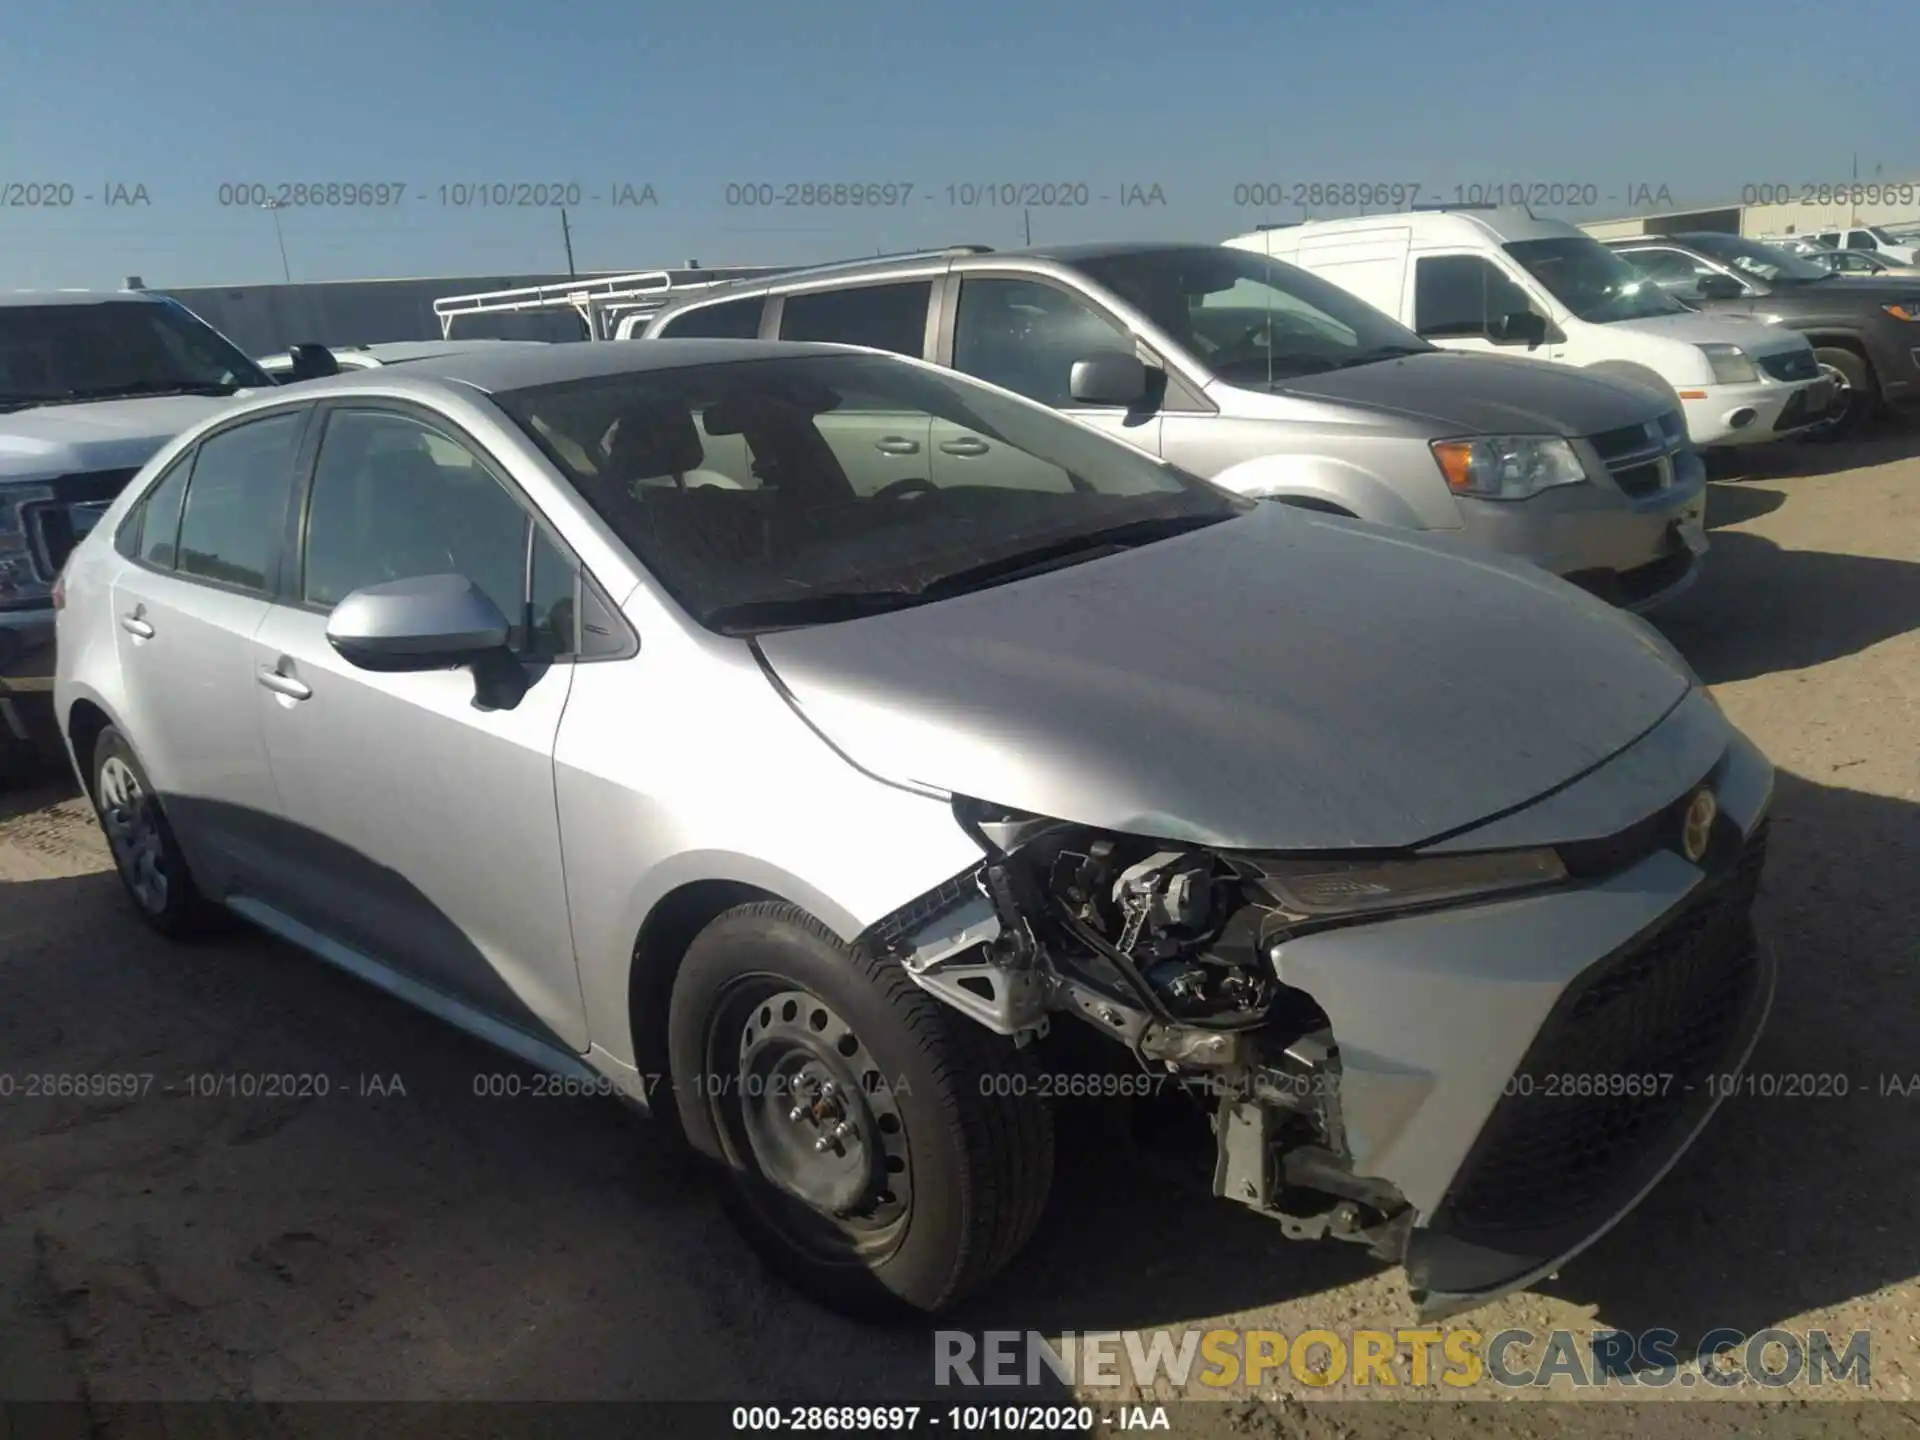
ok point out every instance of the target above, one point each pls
(650, 711)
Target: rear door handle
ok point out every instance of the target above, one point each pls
(896, 445)
(285, 685)
(134, 625)
(965, 445)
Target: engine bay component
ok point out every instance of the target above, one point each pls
(1168, 951)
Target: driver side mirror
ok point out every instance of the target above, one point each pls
(1519, 327)
(1111, 379)
(1716, 286)
(430, 622)
(311, 361)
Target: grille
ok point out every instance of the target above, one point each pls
(1791, 365)
(1637, 480)
(1668, 1004)
(51, 527)
(1640, 457)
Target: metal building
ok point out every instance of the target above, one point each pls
(1880, 202)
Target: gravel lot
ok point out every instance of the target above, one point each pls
(430, 1243)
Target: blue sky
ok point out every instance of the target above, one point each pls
(183, 96)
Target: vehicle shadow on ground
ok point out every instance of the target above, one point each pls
(1759, 608)
(1736, 504)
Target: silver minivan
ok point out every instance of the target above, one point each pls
(1273, 383)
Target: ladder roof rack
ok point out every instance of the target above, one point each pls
(596, 301)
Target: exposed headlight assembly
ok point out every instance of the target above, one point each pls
(1319, 889)
(1508, 467)
(1731, 365)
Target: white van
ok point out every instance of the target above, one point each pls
(1504, 281)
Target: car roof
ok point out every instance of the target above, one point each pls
(879, 265)
(404, 352)
(1467, 226)
(79, 297)
(519, 366)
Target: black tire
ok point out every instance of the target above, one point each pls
(148, 858)
(974, 1163)
(1863, 392)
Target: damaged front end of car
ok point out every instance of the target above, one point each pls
(1170, 950)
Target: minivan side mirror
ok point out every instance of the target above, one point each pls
(1519, 327)
(1114, 378)
(311, 361)
(1716, 286)
(430, 622)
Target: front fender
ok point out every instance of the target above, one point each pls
(1324, 480)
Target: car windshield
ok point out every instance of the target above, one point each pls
(1883, 236)
(1591, 281)
(771, 493)
(1754, 257)
(1249, 319)
(78, 352)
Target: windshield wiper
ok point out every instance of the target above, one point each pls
(1385, 352)
(1073, 550)
(145, 387)
(824, 607)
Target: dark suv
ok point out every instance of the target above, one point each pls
(1865, 331)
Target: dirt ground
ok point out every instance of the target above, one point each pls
(403, 1237)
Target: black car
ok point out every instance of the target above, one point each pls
(1866, 331)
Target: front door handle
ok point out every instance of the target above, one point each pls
(134, 625)
(965, 445)
(896, 445)
(282, 684)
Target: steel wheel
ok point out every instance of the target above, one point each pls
(132, 825)
(814, 1117)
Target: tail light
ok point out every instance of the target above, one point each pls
(59, 591)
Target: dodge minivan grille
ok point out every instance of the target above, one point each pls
(1642, 1033)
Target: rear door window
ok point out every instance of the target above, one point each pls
(236, 506)
(735, 320)
(886, 317)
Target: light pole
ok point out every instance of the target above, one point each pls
(272, 207)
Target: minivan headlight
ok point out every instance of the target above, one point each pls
(1507, 467)
(1325, 888)
(1731, 365)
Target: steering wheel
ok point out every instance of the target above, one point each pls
(902, 489)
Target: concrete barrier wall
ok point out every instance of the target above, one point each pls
(266, 319)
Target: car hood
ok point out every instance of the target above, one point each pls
(98, 435)
(1484, 394)
(1279, 681)
(1756, 337)
(1860, 290)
